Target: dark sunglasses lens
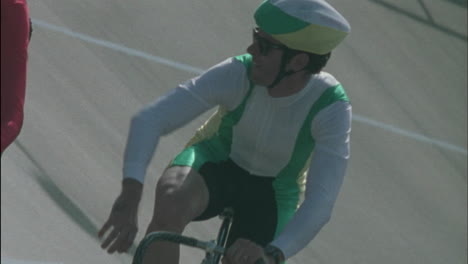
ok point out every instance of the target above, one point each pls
(263, 44)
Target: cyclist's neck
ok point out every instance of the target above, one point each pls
(290, 85)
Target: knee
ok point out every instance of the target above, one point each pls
(170, 201)
(172, 204)
(167, 190)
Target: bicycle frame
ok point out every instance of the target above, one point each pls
(214, 249)
(221, 240)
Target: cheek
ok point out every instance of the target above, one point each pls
(268, 70)
(260, 73)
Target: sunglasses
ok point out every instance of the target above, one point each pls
(264, 45)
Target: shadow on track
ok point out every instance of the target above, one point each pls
(72, 210)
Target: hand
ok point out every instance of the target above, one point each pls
(123, 219)
(244, 251)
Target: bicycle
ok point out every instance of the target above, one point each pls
(214, 249)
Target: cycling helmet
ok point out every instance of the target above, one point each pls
(310, 26)
(313, 26)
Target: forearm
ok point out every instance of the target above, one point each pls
(324, 181)
(302, 229)
(132, 188)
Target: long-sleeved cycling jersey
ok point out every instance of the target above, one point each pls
(302, 140)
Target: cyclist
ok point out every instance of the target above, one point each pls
(282, 126)
(16, 32)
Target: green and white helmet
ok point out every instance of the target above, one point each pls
(312, 26)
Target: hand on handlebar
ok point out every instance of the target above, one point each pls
(246, 252)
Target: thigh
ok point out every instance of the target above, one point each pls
(221, 183)
(181, 190)
(255, 215)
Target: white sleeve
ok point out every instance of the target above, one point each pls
(331, 129)
(217, 86)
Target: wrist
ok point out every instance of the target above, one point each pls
(274, 254)
(132, 188)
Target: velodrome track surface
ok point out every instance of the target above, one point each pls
(93, 64)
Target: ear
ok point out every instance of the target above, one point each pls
(299, 62)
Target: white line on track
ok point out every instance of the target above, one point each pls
(191, 69)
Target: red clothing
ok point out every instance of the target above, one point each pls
(15, 39)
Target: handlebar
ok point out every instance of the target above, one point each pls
(208, 246)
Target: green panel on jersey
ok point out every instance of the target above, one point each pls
(213, 140)
(286, 185)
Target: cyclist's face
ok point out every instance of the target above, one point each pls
(266, 53)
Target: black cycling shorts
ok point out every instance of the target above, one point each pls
(252, 198)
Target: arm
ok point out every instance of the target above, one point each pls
(220, 85)
(14, 39)
(160, 118)
(217, 86)
(331, 129)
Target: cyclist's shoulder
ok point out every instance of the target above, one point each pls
(231, 67)
(325, 79)
(245, 59)
(329, 86)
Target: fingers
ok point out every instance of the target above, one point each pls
(243, 252)
(128, 243)
(123, 225)
(104, 229)
(125, 240)
(110, 238)
(120, 239)
(119, 243)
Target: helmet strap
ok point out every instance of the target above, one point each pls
(282, 73)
